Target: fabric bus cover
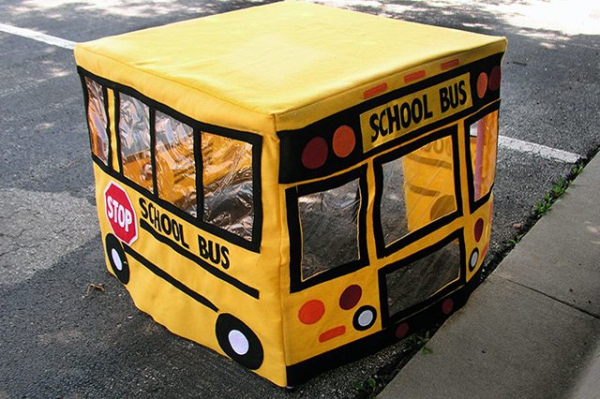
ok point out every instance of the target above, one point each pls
(294, 186)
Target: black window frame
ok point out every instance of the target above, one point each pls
(83, 75)
(255, 140)
(473, 203)
(294, 227)
(386, 318)
(384, 250)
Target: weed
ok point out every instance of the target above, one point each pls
(426, 350)
(576, 171)
(558, 189)
(417, 340)
(515, 240)
(367, 388)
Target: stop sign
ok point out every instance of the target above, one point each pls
(120, 213)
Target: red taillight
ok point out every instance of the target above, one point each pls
(478, 229)
(311, 311)
(402, 330)
(314, 154)
(495, 78)
(447, 306)
(350, 297)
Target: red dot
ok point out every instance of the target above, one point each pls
(478, 229)
(311, 311)
(495, 78)
(343, 141)
(402, 330)
(350, 297)
(448, 306)
(482, 83)
(315, 153)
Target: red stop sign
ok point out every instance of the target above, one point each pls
(120, 213)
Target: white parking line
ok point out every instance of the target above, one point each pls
(503, 141)
(537, 149)
(40, 37)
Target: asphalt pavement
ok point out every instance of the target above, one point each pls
(68, 329)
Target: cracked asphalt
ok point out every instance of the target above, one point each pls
(61, 337)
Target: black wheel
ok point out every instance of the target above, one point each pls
(239, 342)
(117, 258)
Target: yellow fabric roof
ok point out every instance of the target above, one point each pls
(283, 56)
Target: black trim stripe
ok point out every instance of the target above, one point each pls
(170, 279)
(152, 127)
(253, 292)
(117, 97)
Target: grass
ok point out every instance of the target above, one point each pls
(558, 189)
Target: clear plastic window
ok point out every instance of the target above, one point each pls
(97, 120)
(418, 188)
(483, 144)
(134, 130)
(417, 281)
(329, 225)
(175, 165)
(227, 181)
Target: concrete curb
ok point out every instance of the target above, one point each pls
(532, 329)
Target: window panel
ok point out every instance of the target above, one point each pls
(413, 283)
(134, 130)
(176, 168)
(97, 120)
(329, 226)
(228, 184)
(483, 136)
(418, 188)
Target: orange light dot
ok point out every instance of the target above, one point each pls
(311, 311)
(344, 141)
(482, 83)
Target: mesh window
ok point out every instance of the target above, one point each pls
(134, 130)
(418, 188)
(97, 120)
(329, 223)
(483, 144)
(227, 182)
(419, 280)
(176, 168)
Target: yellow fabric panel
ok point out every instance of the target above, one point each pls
(261, 58)
(263, 70)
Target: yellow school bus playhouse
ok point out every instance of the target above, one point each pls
(292, 185)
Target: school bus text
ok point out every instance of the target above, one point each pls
(408, 113)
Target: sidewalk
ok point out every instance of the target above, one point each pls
(532, 329)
